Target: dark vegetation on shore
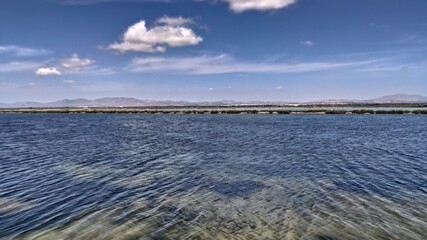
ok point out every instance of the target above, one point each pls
(393, 108)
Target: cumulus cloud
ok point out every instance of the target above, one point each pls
(47, 71)
(22, 51)
(262, 5)
(307, 43)
(221, 64)
(75, 63)
(171, 33)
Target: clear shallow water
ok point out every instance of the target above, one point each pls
(213, 177)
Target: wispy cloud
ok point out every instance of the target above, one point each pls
(15, 86)
(222, 64)
(17, 66)
(307, 43)
(413, 39)
(385, 69)
(23, 51)
(75, 63)
(5, 84)
(175, 21)
(396, 67)
(97, 71)
(261, 5)
(30, 85)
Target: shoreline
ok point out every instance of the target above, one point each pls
(220, 110)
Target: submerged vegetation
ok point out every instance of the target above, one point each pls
(212, 177)
(273, 208)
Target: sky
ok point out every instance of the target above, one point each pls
(208, 50)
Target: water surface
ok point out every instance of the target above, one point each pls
(213, 176)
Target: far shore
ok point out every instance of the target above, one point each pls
(240, 109)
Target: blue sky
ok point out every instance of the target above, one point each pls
(206, 50)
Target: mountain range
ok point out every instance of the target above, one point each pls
(134, 102)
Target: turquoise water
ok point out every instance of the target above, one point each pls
(213, 176)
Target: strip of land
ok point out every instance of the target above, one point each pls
(295, 109)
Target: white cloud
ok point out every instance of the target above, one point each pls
(72, 64)
(47, 71)
(279, 88)
(22, 51)
(211, 89)
(139, 38)
(17, 66)
(307, 43)
(69, 81)
(221, 64)
(262, 5)
(75, 63)
(177, 21)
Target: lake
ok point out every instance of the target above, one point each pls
(114, 176)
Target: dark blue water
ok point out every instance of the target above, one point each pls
(213, 176)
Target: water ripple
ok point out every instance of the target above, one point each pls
(213, 177)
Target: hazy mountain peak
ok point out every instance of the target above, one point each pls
(401, 97)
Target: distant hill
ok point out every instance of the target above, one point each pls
(134, 102)
(395, 98)
(112, 102)
(398, 98)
